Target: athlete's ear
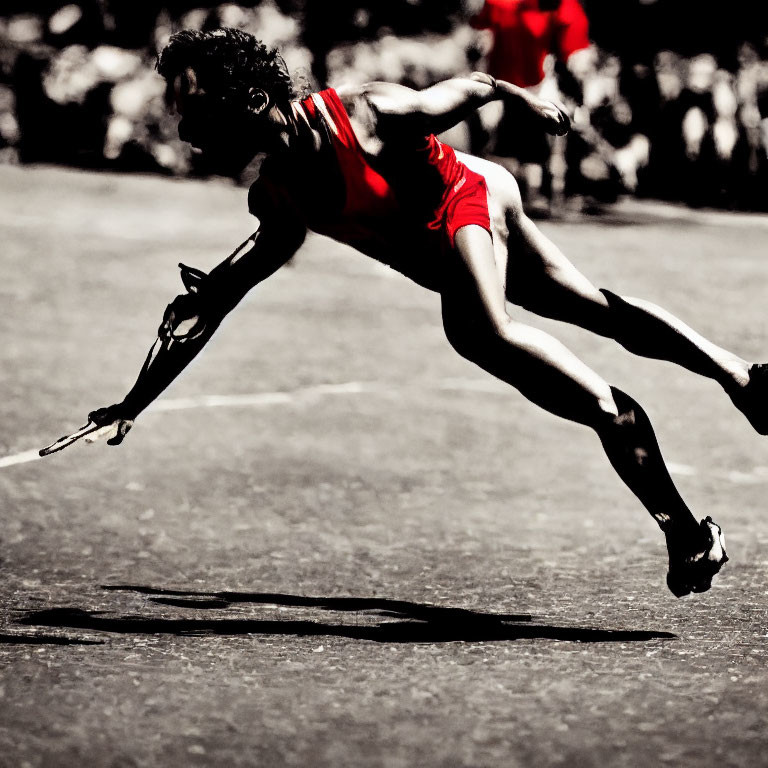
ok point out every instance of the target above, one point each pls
(258, 100)
(183, 85)
(188, 85)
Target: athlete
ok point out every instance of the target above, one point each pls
(363, 166)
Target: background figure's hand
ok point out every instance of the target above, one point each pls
(113, 422)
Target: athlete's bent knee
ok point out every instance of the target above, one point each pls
(624, 416)
(506, 329)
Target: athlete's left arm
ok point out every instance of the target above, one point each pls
(191, 319)
(400, 109)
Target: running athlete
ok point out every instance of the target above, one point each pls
(363, 166)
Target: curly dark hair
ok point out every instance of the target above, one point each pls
(228, 62)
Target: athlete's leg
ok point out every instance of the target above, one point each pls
(548, 374)
(543, 280)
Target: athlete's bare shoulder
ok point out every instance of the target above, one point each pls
(377, 109)
(390, 98)
(362, 115)
(355, 102)
(384, 96)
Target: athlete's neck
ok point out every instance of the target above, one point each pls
(290, 131)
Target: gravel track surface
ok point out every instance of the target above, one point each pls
(417, 568)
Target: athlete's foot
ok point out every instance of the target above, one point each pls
(693, 564)
(752, 398)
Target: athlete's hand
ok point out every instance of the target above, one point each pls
(113, 422)
(554, 118)
(558, 118)
(550, 116)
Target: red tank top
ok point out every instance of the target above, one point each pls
(411, 184)
(367, 191)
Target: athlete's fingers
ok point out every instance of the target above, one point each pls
(564, 124)
(114, 433)
(558, 122)
(67, 440)
(123, 429)
(108, 431)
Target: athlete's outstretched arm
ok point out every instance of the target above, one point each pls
(400, 109)
(191, 318)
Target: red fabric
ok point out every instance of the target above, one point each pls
(465, 197)
(367, 190)
(466, 204)
(372, 205)
(524, 35)
(423, 185)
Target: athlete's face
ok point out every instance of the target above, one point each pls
(226, 135)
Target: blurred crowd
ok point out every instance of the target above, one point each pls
(77, 86)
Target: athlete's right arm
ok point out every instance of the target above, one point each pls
(400, 110)
(191, 318)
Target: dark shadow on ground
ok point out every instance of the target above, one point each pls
(381, 606)
(419, 623)
(45, 640)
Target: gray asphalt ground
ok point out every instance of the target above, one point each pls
(375, 555)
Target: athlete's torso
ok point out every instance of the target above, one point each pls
(399, 204)
(354, 196)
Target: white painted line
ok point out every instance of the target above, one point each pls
(218, 401)
(258, 399)
(263, 399)
(19, 458)
(473, 385)
(681, 469)
(737, 477)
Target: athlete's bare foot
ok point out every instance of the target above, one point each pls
(693, 564)
(752, 398)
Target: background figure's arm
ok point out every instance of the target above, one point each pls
(399, 109)
(191, 319)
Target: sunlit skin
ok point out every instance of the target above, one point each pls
(478, 275)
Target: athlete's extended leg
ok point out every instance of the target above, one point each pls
(548, 374)
(544, 281)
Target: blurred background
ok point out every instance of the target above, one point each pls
(669, 97)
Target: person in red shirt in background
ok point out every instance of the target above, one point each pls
(524, 33)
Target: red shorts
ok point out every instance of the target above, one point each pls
(466, 203)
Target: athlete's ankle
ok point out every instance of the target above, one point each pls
(736, 375)
(679, 533)
(751, 398)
